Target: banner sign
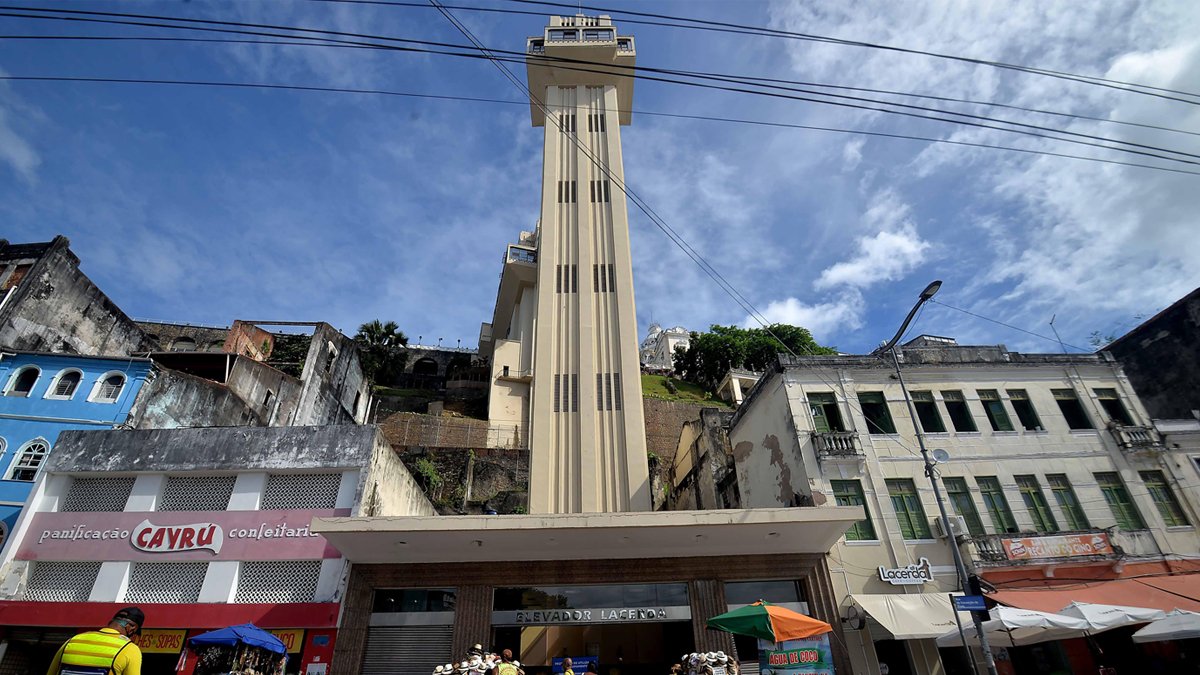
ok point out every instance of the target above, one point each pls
(292, 638)
(555, 617)
(912, 575)
(157, 641)
(177, 535)
(578, 664)
(796, 657)
(1057, 546)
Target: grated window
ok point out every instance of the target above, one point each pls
(278, 581)
(301, 491)
(62, 581)
(97, 494)
(196, 493)
(166, 582)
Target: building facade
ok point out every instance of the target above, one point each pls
(202, 528)
(1162, 359)
(46, 394)
(658, 348)
(47, 304)
(563, 339)
(1056, 476)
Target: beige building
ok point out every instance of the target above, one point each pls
(563, 337)
(658, 347)
(1055, 475)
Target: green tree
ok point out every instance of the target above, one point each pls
(381, 350)
(709, 356)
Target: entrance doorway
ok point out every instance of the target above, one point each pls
(894, 653)
(619, 648)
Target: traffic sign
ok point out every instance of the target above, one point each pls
(969, 603)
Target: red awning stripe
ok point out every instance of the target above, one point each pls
(1158, 592)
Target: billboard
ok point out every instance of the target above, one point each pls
(796, 657)
(1057, 546)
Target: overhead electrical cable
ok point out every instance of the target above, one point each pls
(476, 99)
(522, 56)
(1008, 325)
(1133, 87)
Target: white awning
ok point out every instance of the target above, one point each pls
(1178, 625)
(914, 616)
(1013, 627)
(1107, 617)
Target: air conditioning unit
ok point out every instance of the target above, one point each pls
(957, 525)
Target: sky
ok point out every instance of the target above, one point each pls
(207, 204)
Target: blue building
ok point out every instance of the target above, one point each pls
(45, 394)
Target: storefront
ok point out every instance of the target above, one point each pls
(630, 590)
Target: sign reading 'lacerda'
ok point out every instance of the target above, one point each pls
(914, 574)
(222, 535)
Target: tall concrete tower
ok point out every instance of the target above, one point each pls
(564, 335)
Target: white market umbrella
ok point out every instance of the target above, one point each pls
(1015, 627)
(1178, 625)
(1106, 617)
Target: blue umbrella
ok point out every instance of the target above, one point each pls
(246, 634)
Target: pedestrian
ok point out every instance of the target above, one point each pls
(566, 663)
(107, 651)
(590, 668)
(506, 665)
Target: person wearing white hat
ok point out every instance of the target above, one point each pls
(448, 668)
(439, 670)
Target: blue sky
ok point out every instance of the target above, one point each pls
(209, 204)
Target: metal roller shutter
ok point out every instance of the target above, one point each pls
(406, 650)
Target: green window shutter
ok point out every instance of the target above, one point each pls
(816, 404)
(994, 408)
(1064, 494)
(1035, 501)
(1164, 499)
(850, 493)
(1119, 501)
(960, 498)
(909, 511)
(996, 504)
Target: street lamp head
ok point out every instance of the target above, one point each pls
(931, 290)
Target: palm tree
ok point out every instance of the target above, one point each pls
(382, 349)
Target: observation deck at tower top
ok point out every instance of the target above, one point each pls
(581, 51)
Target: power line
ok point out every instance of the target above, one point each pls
(476, 99)
(721, 26)
(522, 55)
(1006, 325)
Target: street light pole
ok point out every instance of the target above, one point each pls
(931, 472)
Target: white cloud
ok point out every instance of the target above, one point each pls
(889, 254)
(823, 319)
(15, 149)
(852, 153)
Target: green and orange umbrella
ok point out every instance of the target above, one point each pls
(769, 622)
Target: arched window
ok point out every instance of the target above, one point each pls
(425, 366)
(22, 381)
(108, 388)
(184, 344)
(64, 385)
(29, 460)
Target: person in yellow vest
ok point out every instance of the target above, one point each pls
(506, 665)
(566, 664)
(107, 651)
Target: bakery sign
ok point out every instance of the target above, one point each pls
(177, 535)
(1057, 546)
(912, 575)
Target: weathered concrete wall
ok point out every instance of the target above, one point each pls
(166, 335)
(251, 381)
(214, 448)
(1161, 357)
(703, 475)
(766, 453)
(56, 308)
(414, 430)
(390, 489)
(171, 399)
(334, 389)
(664, 422)
(471, 480)
(249, 340)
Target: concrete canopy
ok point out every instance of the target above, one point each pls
(586, 536)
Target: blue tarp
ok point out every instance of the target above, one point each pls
(246, 634)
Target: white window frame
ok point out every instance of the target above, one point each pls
(98, 385)
(12, 380)
(54, 385)
(16, 461)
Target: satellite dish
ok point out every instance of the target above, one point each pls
(940, 456)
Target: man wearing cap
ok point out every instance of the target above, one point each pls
(107, 651)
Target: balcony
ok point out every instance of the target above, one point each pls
(1057, 548)
(513, 375)
(837, 446)
(1136, 439)
(520, 254)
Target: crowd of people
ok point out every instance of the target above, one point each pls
(479, 662)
